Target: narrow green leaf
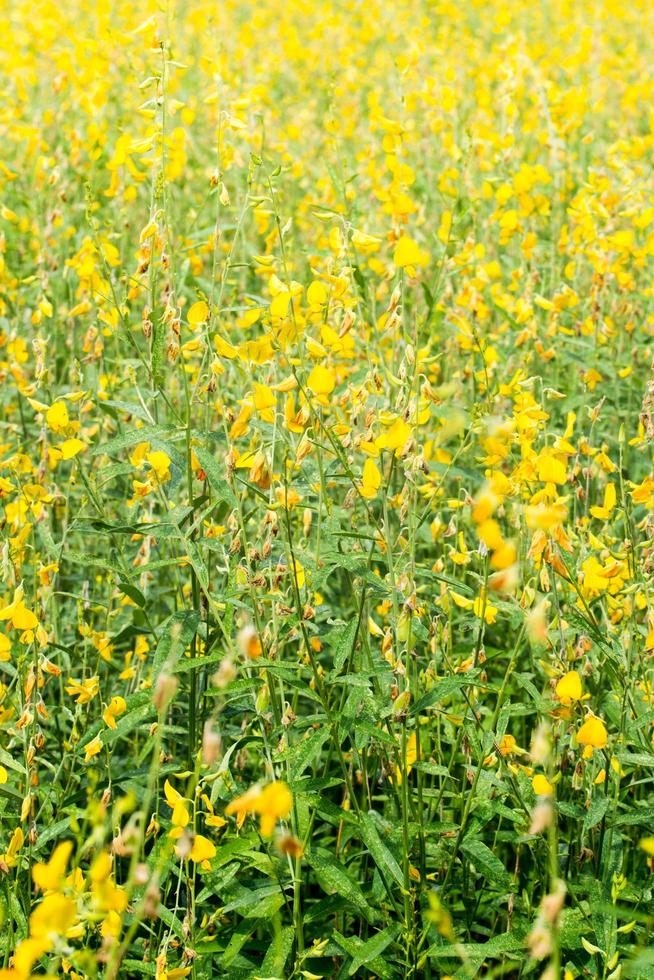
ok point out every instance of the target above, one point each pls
(596, 812)
(178, 633)
(485, 862)
(344, 646)
(148, 433)
(301, 755)
(332, 877)
(215, 475)
(379, 852)
(442, 689)
(278, 952)
(373, 948)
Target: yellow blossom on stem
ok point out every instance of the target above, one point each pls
(568, 688)
(271, 803)
(116, 707)
(93, 748)
(592, 734)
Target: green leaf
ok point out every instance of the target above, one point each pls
(301, 755)
(332, 877)
(133, 593)
(139, 966)
(215, 475)
(266, 908)
(373, 948)
(8, 761)
(18, 915)
(496, 947)
(352, 945)
(572, 926)
(379, 852)
(486, 862)
(178, 633)
(171, 921)
(237, 940)
(144, 527)
(344, 646)
(187, 664)
(54, 832)
(442, 689)
(639, 815)
(596, 812)
(249, 898)
(157, 353)
(198, 564)
(636, 759)
(148, 433)
(79, 559)
(278, 952)
(130, 408)
(50, 546)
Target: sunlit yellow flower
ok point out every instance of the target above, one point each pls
(271, 803)
(593, 733)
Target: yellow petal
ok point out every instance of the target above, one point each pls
(569, 688)
(57, 417)
(198, 313)
(371, 480)
(321, 381)
(71, 447)
(407, 253)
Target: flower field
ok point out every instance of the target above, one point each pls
(327, 489)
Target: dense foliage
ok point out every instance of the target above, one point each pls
(326, 489)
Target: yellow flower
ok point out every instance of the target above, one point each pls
(25, 956)
(544, 517)
(298, 572)
(508, 745)
(249, 643)
(160, 463)
(15, 844)
(321, 381)
(604, 512)
(550, 469)
(478, 605)
(410, 757)
(265, 401)
(53, 917)
(365, 243)
(49, 877)
(71, 448)
(177, 803)
(490, 611)
(93, 748)
(85, 690)
(57, 418)
(19, 616)
(287, 497)
(395, 437)
(568, 688)
(593, 733)
(115, 708)
(407, 254)
(542, 786)
(271, 803)
(5, 648)
(198, 314)
(370, 481)
(224, 348)
(202, 851)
